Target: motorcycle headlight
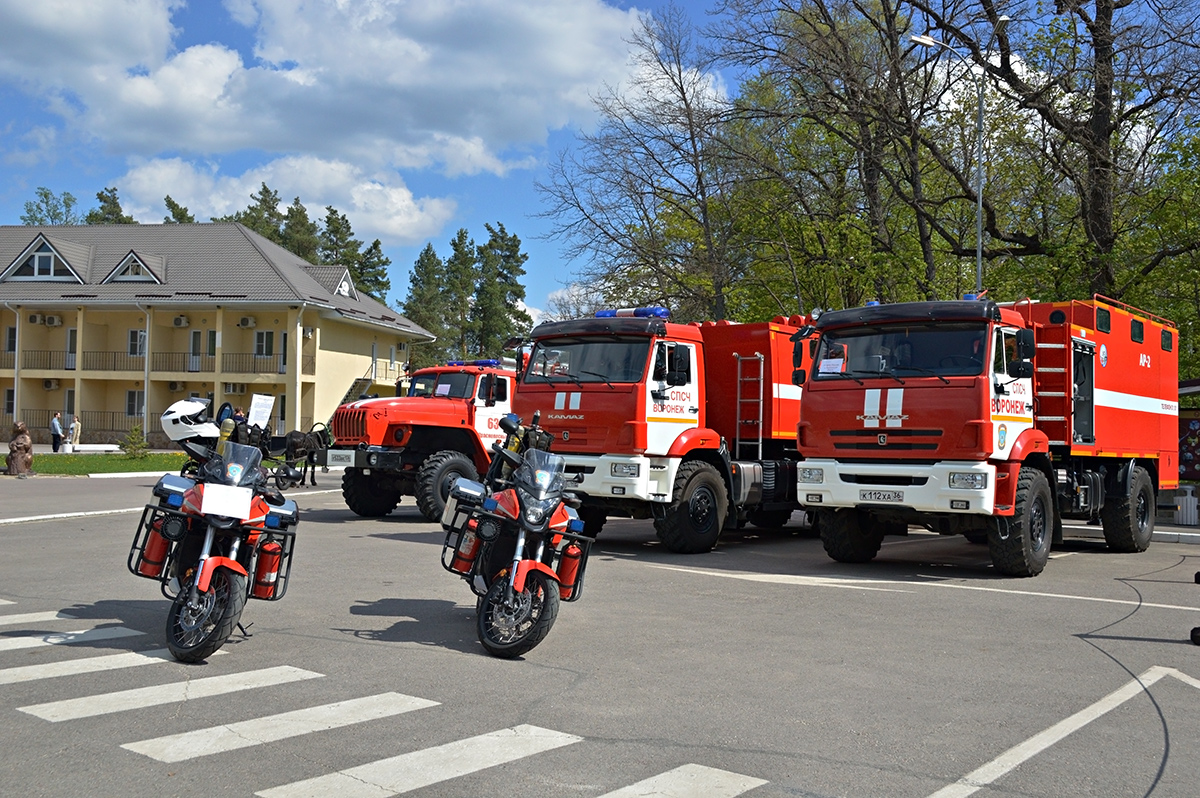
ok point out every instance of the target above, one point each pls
(536, 510)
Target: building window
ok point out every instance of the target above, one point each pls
(264, 343)
(1137, 331)
(212, 343)
(137, 343)
(42, 264)
(133, 402)
(10, 401)
(132, 270)
(10, 340)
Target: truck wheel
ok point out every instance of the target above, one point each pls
(694, 519)
(365, 499)
(593, 519)
(1027, 548)
(770, 519)
(1129, 520)
(436, 477)
(847, 538)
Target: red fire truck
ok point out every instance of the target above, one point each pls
(419, 444)
(993, 421)
(692, 425)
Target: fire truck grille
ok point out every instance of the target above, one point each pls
(349, 424)
(571, 438)
(886, 439)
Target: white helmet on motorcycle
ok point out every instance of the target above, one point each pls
(188, 418)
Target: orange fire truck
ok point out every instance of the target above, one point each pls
(993, 421)
(693, 425)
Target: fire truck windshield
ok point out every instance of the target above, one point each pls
(599, 358)
(942, 349)
(455, 384)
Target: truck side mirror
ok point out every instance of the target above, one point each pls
(489, 390)
(679, 369)
(1026, 348)
(660, 363)
(1020, 369)
(799, 376)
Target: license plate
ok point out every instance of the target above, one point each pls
(339, 458)
(881, 495)
(226, 500)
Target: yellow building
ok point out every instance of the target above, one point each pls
(116, 322)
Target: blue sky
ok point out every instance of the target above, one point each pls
(413, 117)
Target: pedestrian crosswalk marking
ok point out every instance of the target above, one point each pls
(139, 698)
(63, 638)
(412, 771)
(73, 667)
(190, 745)
(34, 617)
(689, 781)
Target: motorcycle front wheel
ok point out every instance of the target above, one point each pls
(195, 632)
(509, 631)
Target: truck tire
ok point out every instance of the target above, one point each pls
(849, 536)
(593, 519)
(1030, 531)
(770, 519)
(363, 498)
(695, 518)
(1129, 520)
(435, 478)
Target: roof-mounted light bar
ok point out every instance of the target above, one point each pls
(654, 312)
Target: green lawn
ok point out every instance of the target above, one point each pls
(49, 463)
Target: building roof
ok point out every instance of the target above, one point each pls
(214, 263)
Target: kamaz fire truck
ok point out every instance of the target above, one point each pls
(419, 444)
(993, 421)
(692, 425)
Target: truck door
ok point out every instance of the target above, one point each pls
(1083, 396)
(672, 395)
(1012, 398)
(487, 418)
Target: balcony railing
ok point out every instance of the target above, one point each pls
(113, 361)
(308, 364)
(239, 363)
(108, 421)
(182, 361)
(48, 359)
(7, 359)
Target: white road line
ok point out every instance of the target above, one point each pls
(6, 601)
(867, 584)
(411, 771)
(139, 698)
(64, 638)
(73, 667)
(981, 777)
(59, 516)
(689, 781)
(189, 745)
(35, 617)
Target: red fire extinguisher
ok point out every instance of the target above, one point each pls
(154, 553)
(266, 575)
(568, 570)
(468, 548)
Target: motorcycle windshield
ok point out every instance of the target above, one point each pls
(541, 474)
(240, 464)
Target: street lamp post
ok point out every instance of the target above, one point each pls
(929, 41)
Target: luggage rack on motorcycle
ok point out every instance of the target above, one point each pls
(151, 559)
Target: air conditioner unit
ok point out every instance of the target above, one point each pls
(234, 387)
(50, 385)
(247, 322)
(37, 318)
(180, 321)
(175, 386)
(308, 332)
(54, 321)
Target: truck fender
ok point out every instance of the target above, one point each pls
(695, 438)
(1028, 442)
(716, 456)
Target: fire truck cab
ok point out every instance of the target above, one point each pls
(993, 421)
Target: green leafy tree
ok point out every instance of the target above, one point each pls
(373, 272)
(110, 211)
(497, 312)
(177, 214)
(50, 208)
(300, 235)
(425, 305)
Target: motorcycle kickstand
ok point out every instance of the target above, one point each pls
(245, 630)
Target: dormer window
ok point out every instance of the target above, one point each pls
(42, 263)
(344, 287)
(132, 270)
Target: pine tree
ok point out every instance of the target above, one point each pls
(338, 245)
(110, 211)
(497, 313)
(262, 216)
(373, 272)
(459, 292)
(178, 213)
(425, 306)
(300, 235)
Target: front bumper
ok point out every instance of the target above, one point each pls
(924, 488)
(371, 457)
(653, 482)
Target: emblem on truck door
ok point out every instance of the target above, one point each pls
(882, 440)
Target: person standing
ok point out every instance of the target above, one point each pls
(56, 431)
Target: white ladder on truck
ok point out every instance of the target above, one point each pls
(748, 435)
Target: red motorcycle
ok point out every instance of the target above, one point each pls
(517, 541)
(214, 539)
